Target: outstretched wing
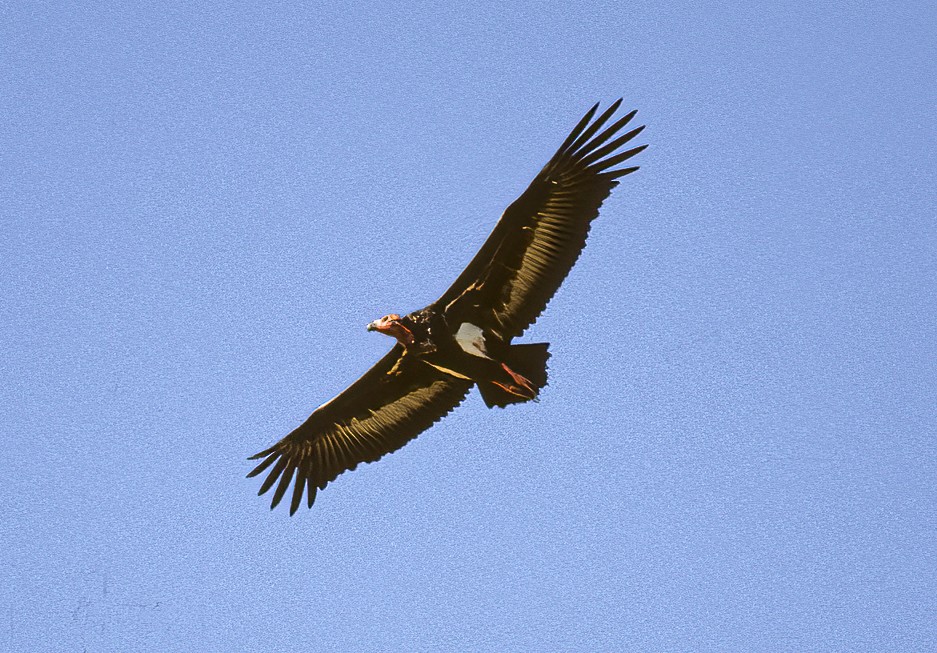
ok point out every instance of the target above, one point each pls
(539, 237)
(391, 404)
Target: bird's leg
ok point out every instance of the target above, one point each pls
(523, 387)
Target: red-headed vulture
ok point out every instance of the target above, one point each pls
(463, 339)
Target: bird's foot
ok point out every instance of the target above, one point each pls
(522, 387)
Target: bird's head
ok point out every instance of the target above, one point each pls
(391, 325)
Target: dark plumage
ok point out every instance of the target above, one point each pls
(464, 338)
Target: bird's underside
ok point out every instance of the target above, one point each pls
(465, 337)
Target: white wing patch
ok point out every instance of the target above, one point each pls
(471, 339)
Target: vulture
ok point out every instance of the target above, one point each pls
(464, 338)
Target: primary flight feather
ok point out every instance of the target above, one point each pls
(464, 338)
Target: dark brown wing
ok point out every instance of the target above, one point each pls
(391, 404)
(539, 237)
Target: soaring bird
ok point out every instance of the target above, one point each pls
(464, 338)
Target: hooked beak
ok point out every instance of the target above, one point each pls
(373, 326)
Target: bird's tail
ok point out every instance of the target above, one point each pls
(526, 361)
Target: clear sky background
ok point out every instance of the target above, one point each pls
(204, 203)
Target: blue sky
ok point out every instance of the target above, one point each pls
(203, 206)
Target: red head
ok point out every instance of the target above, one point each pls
(392, 326)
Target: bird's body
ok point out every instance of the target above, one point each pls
(465, 337)
(446, 341)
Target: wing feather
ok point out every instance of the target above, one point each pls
(391, 404)
(540, 236)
